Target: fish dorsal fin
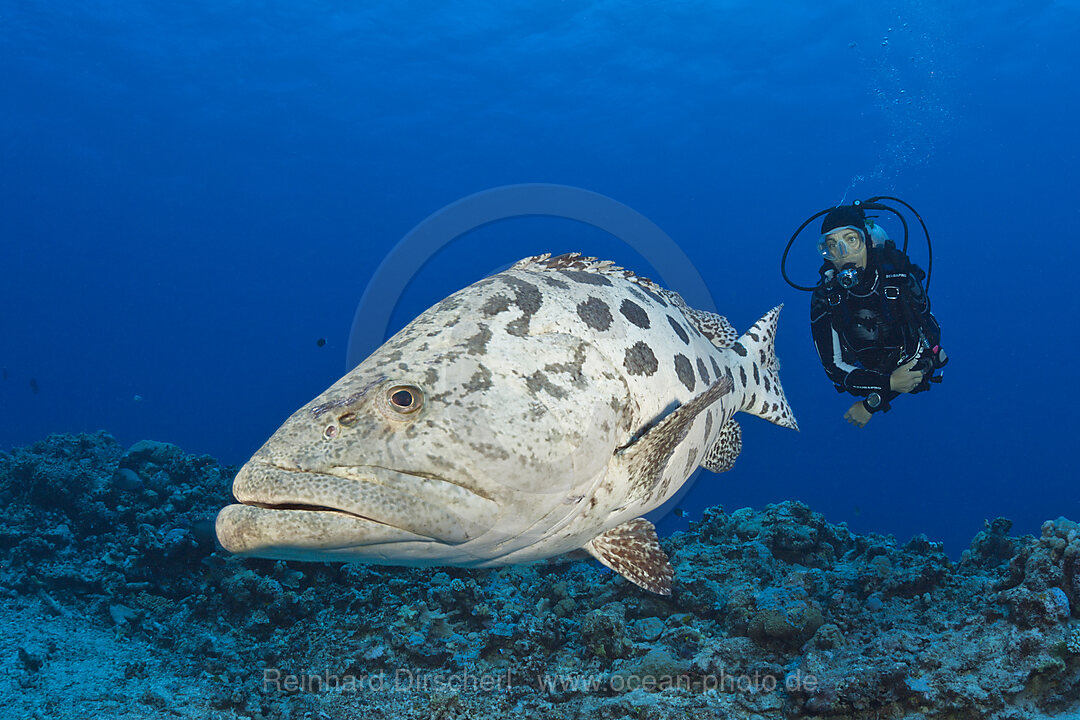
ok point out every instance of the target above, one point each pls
(576, 262)
(721, 456)
(571, 261)
(714, 327)
(633, 550)
(647, 456)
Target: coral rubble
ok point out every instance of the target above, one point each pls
(775, 614)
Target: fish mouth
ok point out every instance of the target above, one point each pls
(291, 513)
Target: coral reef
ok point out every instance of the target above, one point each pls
(113, 565)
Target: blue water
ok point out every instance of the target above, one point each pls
(192, 195)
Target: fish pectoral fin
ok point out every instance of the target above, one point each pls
(721, 456)
(633, 551)
(647, 456)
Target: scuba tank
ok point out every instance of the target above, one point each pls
(877, 234)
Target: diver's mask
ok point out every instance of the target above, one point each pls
(840, 243)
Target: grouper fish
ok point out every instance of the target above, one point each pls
(537, 412)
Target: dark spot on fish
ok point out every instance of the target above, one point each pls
(640, 360)
(587, 278)
(708, 425)
(753, 399)
(679, 330)
(638, 294)
(321, 342)
(477, 344)
(752, 335)
(654, 296)
(555, 282)
(448, 305)
(528, 298)
(742, 376)
(489, 450)
(757, 376)
(594, 312)
(431, 376)
(495, 304)
(703, 372)
(693, 326)
(480, 381)
(738, 348)
(715, 367)
(539, 381)
(767, 385)
(691, 461)
(764, 407)
(575, 368)
(635, 314)
(614, 404)
(685, 371)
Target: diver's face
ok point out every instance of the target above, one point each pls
(845, 246)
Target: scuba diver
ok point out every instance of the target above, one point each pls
(869, 313)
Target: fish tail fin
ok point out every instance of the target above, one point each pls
(763, 395)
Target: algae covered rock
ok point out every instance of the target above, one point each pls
(992, 546)
(779, 612)
(656, 669)
(603, 632)
(147, 452)
(785, 615)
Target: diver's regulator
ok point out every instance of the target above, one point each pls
(848, 277)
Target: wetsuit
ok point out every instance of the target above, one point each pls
(865, 332)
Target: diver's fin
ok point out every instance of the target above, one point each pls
(721, 456)
(759, 374)
(714, 327)
(633, 551)
(647, 456)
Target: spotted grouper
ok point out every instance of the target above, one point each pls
(537, 412)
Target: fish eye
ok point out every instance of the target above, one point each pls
(330, 432)
(405, 399)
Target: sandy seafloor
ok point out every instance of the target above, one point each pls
(116, 602)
